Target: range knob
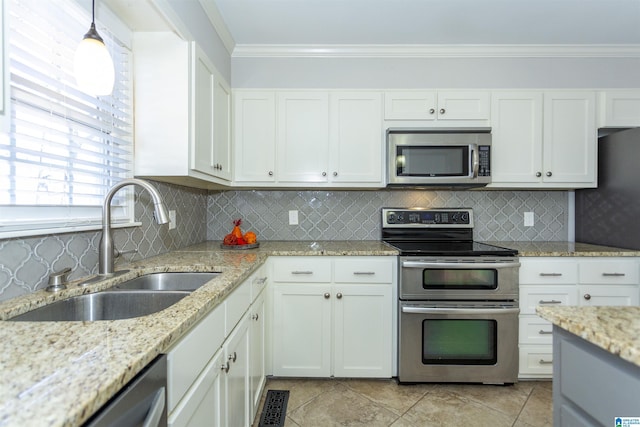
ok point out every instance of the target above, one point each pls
(455, 217)
(465, 217)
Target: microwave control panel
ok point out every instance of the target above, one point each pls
(484, 160)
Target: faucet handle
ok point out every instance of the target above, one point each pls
(58, 280)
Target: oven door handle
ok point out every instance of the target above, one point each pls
(459, 265)
(449, 310)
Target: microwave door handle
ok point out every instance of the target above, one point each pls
(475, 162)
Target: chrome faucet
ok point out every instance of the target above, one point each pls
(105, 249)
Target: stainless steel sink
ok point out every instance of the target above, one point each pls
(106, 305)
(178, 281)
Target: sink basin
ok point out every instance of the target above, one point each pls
(106, 305)
(181, 281)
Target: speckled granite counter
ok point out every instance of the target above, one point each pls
(615, 329)
(59, 373)
(565, 249)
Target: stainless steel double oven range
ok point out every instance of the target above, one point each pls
(458, 299)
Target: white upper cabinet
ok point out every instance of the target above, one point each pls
(254, 142)
(544, 139)
(5, 111)
(308, 139)
(444, 106)
(182, 132)
(619, 108)
(302, 137)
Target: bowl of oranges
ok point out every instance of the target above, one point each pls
(239, 240)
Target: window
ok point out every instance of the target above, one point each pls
(64, 149)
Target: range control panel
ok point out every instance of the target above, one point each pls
(427, 218)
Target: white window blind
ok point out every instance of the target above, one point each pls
(65, 149)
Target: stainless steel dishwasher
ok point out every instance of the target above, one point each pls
(141, 403)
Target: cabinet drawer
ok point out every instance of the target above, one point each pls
(236, 304)
(189, 356)
(356, 270)
(536, 361)
(535, 330)
(302, 270)
(612, 295)
(608, 271)
(258, 282)
(548, 270)
(534, 295)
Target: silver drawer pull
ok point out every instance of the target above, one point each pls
(613, 274)
(302, 272)
(550, 274)
(542, 332)
(545, 362)
(553, 301)
(364, 273)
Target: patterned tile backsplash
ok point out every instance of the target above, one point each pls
(355, 215)
(25, 263)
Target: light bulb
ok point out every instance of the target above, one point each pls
(93, 65)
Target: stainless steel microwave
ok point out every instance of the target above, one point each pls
(439, 157)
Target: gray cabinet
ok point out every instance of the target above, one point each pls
(591, 386)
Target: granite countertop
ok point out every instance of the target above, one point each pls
(565, 249)
(59, 373)
(615, 329)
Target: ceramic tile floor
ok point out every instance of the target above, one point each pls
(372, 403)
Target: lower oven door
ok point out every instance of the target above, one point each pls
(475, 343)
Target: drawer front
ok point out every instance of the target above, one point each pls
(535, 330)
(621, 272)
(548, 271)
(258, 282)
(612, 295)
(360, 270)
(536, 361)
(236, 305)
(190, 355)
(302, 270)
(534, 295)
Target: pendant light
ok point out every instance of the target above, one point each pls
(93, 65)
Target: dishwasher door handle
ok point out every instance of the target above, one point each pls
(157, 408)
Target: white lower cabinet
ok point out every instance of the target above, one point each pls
(583, 281)
(215, 372)
(333, 316)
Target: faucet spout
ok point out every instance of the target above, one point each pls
(106, 249)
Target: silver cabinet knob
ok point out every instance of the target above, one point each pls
(538, 174)
(442, 111)
(335, 174)
(587, 297)
(339, 295)
(549, 173)
(233, 357)
(255, 317)
(432, 111)
(270, 173)
(327, 295)
(225, 367)
(324, 174)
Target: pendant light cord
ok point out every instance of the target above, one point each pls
(93, 11)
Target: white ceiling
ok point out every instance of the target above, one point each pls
(374, 22)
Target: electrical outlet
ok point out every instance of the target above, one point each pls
(528, 219)
(172, 220)
(293, 217)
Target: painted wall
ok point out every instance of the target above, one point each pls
(410, 73)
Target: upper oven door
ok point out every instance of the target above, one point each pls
(459, 278)
(424, 158)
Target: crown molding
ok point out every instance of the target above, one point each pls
(219, 25)
(436, 51)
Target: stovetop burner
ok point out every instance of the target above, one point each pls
(441, 232)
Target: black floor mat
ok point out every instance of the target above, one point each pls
(274, 411)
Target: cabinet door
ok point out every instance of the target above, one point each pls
(614, 295)
(516, 127)
(204, 403)
(222, 129)
(257, 370)
(363, 343)
(463, 105)
(303, 137)
(254, 137)
(570, 137)
(236, 378)
(410, 105)
(203, 87)
(302, 330)
(619, 108)
(356, 139)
